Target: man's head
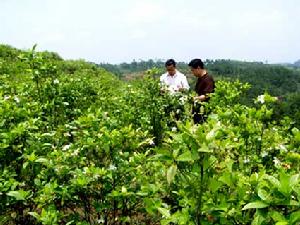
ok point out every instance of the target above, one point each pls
(197, 67)
(171, 67)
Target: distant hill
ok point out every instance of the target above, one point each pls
(297, 63)
(275, 79)
(278, 80)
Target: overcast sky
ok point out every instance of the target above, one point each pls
(117, 31)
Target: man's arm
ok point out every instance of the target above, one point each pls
(185, 83)
(209, 88)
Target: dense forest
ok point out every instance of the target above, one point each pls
(86, 144)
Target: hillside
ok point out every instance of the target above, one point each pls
(80, 146)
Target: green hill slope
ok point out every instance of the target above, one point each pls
(80, 146)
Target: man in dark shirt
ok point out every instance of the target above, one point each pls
(205, 85)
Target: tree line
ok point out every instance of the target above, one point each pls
(278, 80)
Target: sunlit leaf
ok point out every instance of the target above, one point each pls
(171, 173)
(255, 205)
(18, 195)
(164, 212)
(185, 157)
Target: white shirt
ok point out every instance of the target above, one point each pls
(175, 82)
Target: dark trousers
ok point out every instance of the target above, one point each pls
(199, 116)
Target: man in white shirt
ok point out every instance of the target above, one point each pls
(173, 80)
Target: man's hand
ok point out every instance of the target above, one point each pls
(199, 98)
(181, 89)
(162, 90)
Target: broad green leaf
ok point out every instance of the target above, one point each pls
(176, 152)
(293, 203)
(48, 134)
(285, 184)
(185, 157)
(195, 155)
(34, 214)
(171, 173)
(275, 182)
(150, 205)
(164, 212)
(124, 189)
(255, 205)
(210, 134)
(42, 160)
(47, 145)
(204, 148)
(295, 218)
(18, 195)
(282, 223)
(143, 194)
(82, 181)
(258, 219)
(161, 157)
(294, 180)
(69, 223)
(277, 216)
(226, 179)
(263, 194)
(254, 177)
(214, 185)
(3, 146)
(229, 163)
(25, 165)
(32, 157)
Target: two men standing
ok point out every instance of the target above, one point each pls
(176, 81)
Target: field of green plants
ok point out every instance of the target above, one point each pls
(80, 146)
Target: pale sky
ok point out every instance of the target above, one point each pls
(117, 31)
